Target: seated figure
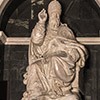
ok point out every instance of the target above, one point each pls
(55, 59)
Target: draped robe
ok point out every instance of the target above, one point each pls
(54, 65)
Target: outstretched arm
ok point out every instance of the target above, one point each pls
(38, 32)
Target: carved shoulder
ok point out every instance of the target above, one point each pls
(38, 34)
(74, 54)
(66, 32)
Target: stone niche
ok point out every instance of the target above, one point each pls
(81, 17)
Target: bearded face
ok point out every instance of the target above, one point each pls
(54, 21)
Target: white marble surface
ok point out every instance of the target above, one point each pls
(2, 37)
(98, 2)
(25, 40)
(3, 4)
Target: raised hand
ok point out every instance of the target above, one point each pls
(42, 16)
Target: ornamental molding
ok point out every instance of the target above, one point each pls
(25, 40)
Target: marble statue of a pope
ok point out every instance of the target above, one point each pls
(55, 59)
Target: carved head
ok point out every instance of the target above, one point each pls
(54, 11)
(54, 7)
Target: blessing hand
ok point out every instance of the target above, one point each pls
(42, 16)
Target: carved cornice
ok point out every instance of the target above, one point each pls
(17, 41)
(25, 40)
(3, 37)
(89, 40)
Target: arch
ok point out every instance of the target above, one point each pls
(7, 10)
(2, 4)
(95, 5)
(7, 7)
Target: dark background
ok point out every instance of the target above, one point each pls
(17, 20)
(82, 16)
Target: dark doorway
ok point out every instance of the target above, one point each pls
(3, 90)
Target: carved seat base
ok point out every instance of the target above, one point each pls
(67, 97)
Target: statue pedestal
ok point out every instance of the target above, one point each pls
(67, 97)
